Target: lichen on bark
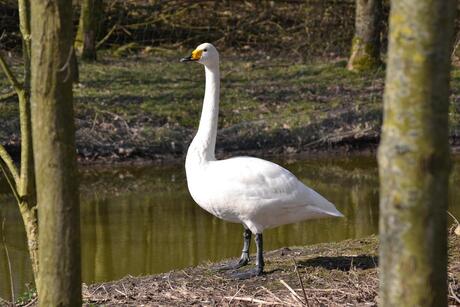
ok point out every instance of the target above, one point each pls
(414, 156)
(90, 15)
(365, 49)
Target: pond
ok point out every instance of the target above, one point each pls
(139, 220)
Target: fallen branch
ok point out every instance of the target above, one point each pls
(106, 37)
(252, 300)
(295, 295)
(231, 299)
(8, 95)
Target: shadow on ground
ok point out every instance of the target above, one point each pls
(342, 263)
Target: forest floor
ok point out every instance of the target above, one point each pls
(147, 107)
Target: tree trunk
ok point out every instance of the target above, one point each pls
(414, 157)
(365, 49)
(59, 282)
(26, 186)
(74, 71)
(85, 42)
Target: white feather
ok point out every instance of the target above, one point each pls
(255, 192)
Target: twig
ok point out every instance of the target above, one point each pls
(301, 282)
(32, 301)
(452, 216)
(252, 300)
(10, 271)
(106, 37)
(457, 42)
(453, 293)
(8, 95)
(9, 74)
(10, 183)
(296, 296)
(5, 156)
(66, 65)
(120, 292)
(231, 299)
(271, 294)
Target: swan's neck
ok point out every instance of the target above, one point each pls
(204, 144)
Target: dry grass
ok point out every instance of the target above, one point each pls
(338, 274)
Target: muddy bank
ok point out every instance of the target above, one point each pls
(332, 274)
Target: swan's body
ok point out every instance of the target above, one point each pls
(256, 193)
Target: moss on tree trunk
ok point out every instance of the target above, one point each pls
(414, 157)
(365, 49)
(85, 42)
(59, 282)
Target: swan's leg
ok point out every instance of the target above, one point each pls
(244, 259)
(259, 270)
(260, 254)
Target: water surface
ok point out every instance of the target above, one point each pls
(141, 220)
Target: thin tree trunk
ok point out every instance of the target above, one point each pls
(26, 189)
(59, 282)
(85, 42)
(414, 157)
(365, 49)
(23, 181)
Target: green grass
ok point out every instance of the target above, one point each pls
(160, 99)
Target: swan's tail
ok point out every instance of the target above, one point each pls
(322, 205)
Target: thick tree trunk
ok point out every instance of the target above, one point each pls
(59, 282)
(414, 157)
(365, 49)
(85, 42)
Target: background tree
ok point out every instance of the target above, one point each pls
(22, 181)
(90, 15)
(59, 281)
(414, 156)
(365, 49)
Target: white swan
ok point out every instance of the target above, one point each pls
(256, 193)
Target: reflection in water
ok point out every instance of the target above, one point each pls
(141, 220)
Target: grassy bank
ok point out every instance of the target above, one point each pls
(148, 107)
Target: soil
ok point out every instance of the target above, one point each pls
(330, 274)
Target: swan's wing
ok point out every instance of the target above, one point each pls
(252, 177)
(264, 185)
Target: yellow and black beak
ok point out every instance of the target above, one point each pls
(196, 55)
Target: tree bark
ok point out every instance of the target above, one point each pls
(365, 49)
(23, 183)
(85, 42)
(59, 282)
(414, 156)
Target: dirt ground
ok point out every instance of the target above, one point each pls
(331, 274)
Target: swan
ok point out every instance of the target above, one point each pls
(253, 192)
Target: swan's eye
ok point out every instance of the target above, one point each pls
(205, 50)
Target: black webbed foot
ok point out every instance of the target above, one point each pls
(244, 260)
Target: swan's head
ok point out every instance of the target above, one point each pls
(205, 54)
